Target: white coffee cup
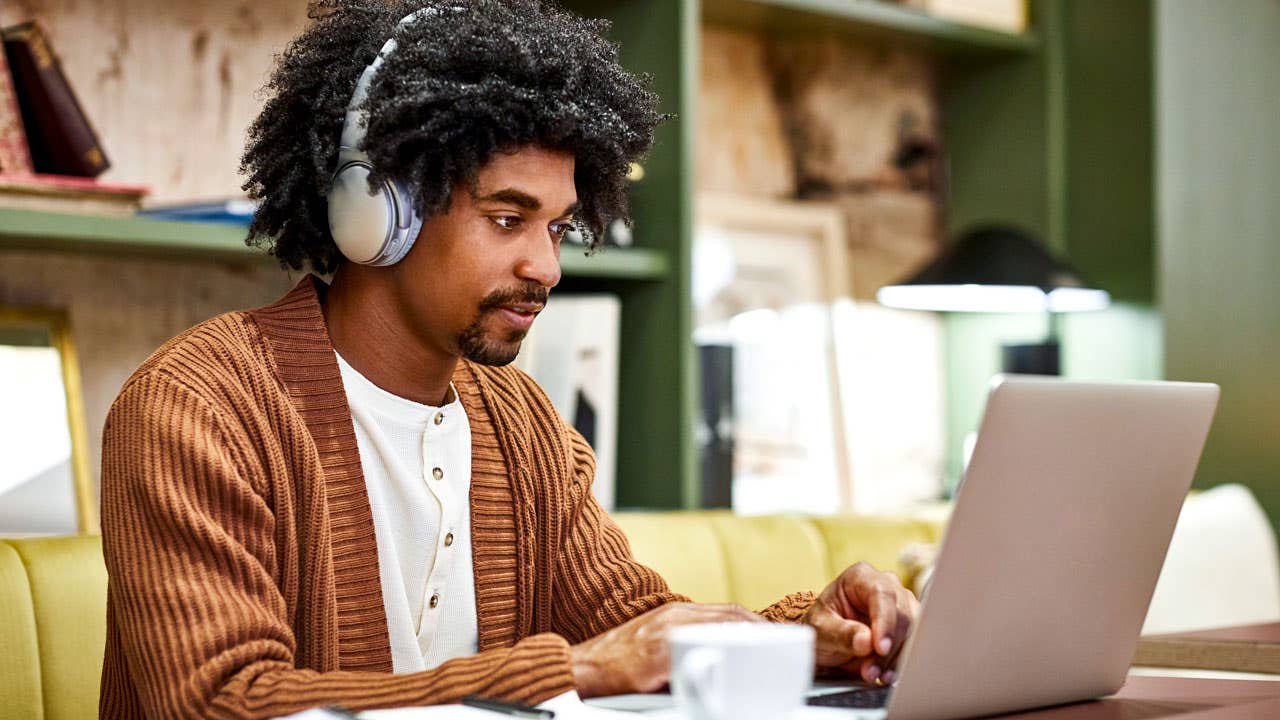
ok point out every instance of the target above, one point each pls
(740, 671)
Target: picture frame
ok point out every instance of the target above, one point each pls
(788, 258)
(572, 352)
(38, 341)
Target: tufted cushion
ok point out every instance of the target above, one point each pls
(769, 556)
(68, 599)
(683, 549)
(19, 653)
(876, 540)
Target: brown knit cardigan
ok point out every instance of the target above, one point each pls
(240, 546)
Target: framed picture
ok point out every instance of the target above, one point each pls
(770, 278)
(572, 351)
(46, 486)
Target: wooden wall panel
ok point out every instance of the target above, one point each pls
(742, 144)
(122, 310)
(171, 87)
(849, 107)
(826, 119)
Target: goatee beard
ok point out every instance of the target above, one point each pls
(478, 348)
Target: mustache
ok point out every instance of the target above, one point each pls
(530, 293)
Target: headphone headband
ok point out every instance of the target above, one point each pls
(375, 228)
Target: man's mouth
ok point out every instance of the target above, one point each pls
(520, 315)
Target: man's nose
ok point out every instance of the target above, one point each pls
(542, 263)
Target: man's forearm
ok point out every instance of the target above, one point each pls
(534, 670)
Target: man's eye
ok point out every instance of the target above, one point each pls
(559, 230)
(506, 222)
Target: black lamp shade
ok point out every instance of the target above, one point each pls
(995, 268)
(997, 255)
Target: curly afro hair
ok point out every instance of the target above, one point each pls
(462, 85)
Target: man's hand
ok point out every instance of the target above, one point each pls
(633, 657)
(862, 619)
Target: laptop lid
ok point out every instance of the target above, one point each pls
(1054, 546)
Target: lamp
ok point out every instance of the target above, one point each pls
(999, 268)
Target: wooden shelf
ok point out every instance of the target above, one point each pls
(615, 263)
(140, 237)
(37, 230)
(871, 20)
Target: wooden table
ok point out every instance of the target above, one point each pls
(1250, 648)
(1246, 648)
(1148, 698)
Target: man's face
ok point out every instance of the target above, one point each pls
(479, 273)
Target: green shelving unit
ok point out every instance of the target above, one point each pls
(657, 455)
(1010, 107)
(141, 237)
(1004, 119)
(873, 20)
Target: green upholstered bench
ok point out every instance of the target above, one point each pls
(53, 590)
(716, 556)
(53, 626)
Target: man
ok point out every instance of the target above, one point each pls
(345, 497)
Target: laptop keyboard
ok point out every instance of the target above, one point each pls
(862, 699)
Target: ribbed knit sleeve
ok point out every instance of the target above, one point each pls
(598, 584)
(790, 608)
(202, 625)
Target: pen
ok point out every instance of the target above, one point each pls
(507, 708)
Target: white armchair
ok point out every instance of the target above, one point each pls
(1222, 568)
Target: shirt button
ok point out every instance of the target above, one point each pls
(448, 539)
(439, 418)
(437, 473)
(435, 600)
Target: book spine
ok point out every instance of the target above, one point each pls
(59, 134)
(15, 158)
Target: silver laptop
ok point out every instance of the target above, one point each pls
(1054, 546)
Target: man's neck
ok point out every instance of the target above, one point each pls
(369, 332)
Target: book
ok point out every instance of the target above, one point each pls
(1002, 15)
(69, 194)
(1247, 648)
(232, 211)
(572, 353)
(59, 136)
(14, 156)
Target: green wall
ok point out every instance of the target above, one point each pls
(1218, 169)
(1110, 145)
(657, 383)
(1060, 142)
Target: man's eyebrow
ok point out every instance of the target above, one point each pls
(513, 196)
(522, 200)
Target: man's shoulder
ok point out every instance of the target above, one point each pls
(230, 351)
(222, 351)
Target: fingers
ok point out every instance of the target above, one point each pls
(869, 670)
(840, 638)
(875, 593)
(908, 611)
(673, 614)
(737, 613)
(890, 608)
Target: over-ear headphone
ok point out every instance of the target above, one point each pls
(375, 228)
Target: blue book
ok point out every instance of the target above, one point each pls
(235, 211)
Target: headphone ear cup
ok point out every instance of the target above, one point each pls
(406, 227)
(376, 228)
(361, 223)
